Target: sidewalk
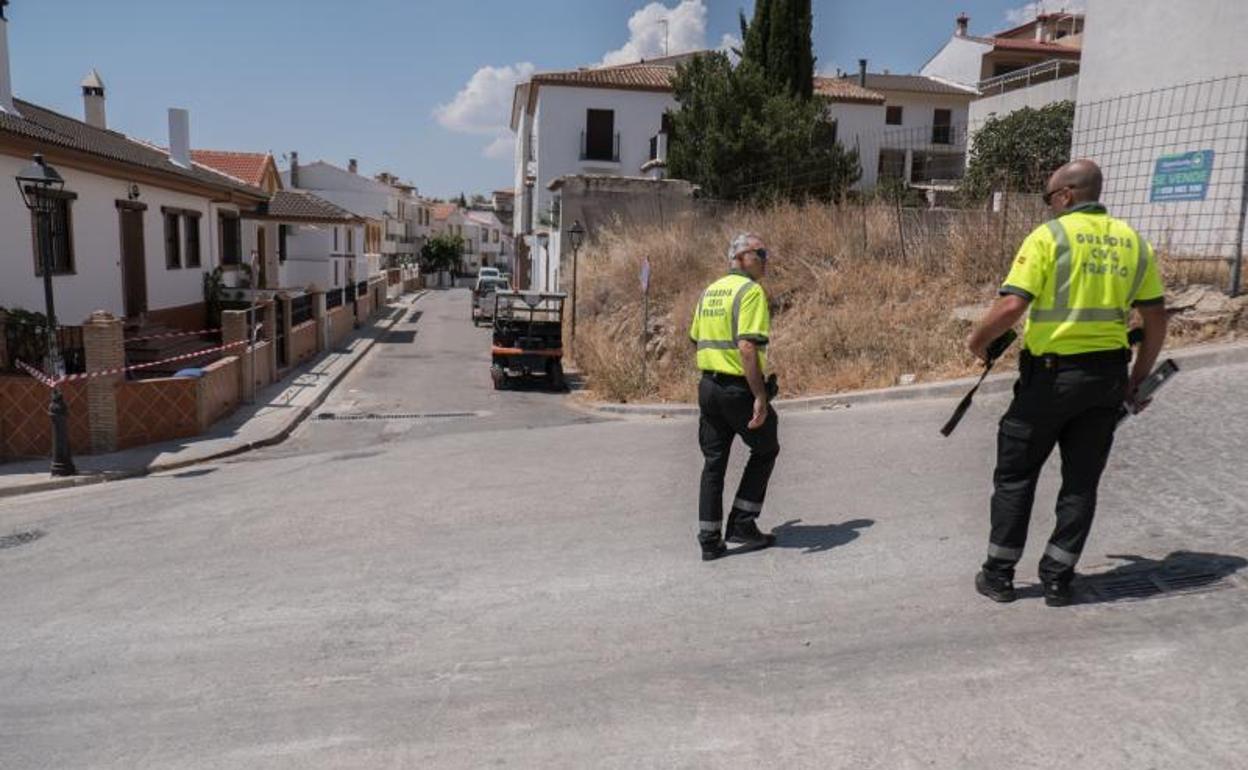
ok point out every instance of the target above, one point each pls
(1194, 357)
(276, 412)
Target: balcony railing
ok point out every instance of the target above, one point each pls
(601, 154)
(1054, 69)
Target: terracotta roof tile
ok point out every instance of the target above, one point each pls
(919, 84)
(844, 90)
(444, 210)
(54, 129)
(633, 77)
(304, 206)
(1056, 49)
(247, 167)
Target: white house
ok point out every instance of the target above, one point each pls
(388, 234)
(135, 228)
(490, 240)
(603, 120)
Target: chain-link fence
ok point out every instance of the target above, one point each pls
(1176, 168)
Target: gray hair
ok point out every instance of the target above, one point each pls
(740, 243)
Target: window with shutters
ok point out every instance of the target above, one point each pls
(231, 228)
(191, 226)
(58, 226)
(893, 115)
(173, 240)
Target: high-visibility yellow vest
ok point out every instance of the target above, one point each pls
(1082, 273)
(733, 308)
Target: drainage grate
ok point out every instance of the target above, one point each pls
(407, 416)
(1168, 580)
(20, 538)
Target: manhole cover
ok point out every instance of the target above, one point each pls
(401, 416)
(19, 538)
(1158, 581)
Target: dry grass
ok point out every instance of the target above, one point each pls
(849, 311)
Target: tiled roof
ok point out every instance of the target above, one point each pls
(1056, 49)
(845, 90)
(304, 206)
(56, 130)
(633, 77)
(247, 167)
(444, 210)
(918, 84)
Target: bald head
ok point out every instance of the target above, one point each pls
(1082, 177)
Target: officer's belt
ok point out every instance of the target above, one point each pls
(1074, 361)
(726, 379)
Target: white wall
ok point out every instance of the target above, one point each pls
(561, 119)
(1037, 96)
(1137, 103)
(1187, 42)
(959, 61)
(310, 256)
(97, 282)
(858, 126)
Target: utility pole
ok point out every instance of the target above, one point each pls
(666, 25)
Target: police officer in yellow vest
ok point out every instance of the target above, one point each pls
(731, 326)
(1077, 278)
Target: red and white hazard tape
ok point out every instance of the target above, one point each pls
(36, 374)
(171, 335)
(52, 383)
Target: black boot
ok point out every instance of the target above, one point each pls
(995, 587)
(713, 549)
(747, 532)
(1058, 593)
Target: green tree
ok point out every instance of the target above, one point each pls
(1020, 150)
(739, 137)
(463, 202)
(441, 252)
(778, 41)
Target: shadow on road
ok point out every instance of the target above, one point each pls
(817, 538)
(1141, 578)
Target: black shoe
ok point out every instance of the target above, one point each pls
(748, 533)
(997, 588)
(1058, 593)
(712, 551)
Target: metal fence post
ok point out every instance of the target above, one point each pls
(1237, 268)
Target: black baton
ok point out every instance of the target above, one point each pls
(995, 351)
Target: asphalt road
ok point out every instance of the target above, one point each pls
(522, 589)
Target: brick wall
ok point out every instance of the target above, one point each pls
(340, 326)
(301, 345)
(363, 308)
(150, 411)
(218, 391)
(26, 429)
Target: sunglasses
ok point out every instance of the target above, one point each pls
(762, 253)
(1048, 196)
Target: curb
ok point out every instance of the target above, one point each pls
(1196, 357)
(278, 437)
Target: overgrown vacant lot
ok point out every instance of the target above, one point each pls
(857, 301)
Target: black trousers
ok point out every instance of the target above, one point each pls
(1073, 404)
(727, 405)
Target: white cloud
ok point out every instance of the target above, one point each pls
(649, 37)
(501, 148)
(1028, 12)
(483, 106)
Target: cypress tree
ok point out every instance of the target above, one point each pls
(778, 42)
(756, 35)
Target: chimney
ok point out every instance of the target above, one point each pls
(353, 166)
(862, 72)
(964, 25)
(294, 170)
(93, 100)
(180, 137)
(6, 84)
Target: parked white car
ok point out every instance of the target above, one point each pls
(483, 297)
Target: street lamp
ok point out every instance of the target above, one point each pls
(576, 236)
(38, 184)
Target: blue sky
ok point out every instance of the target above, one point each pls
(416, 87)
